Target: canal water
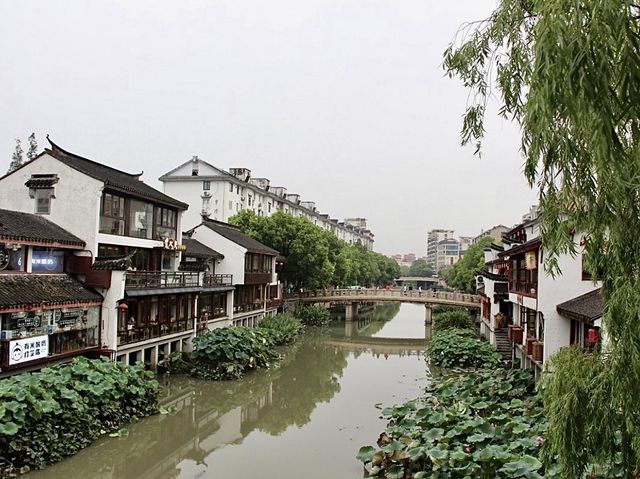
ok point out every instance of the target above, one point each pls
(306, 418)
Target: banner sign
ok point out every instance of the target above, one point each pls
(28, 349)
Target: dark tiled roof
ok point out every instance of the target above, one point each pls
(113, 263)
(493, 276)
(17, 226)
(587, 307)
(46, 181)
(234, 234)
(22, 289)
(114, 179)
(195, 249)
(193, 266)
(530, 245)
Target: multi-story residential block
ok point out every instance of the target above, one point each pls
(447, 253)
(433, 238)
(217, 195)
(494, 232)
(545, 312)
(154, 291)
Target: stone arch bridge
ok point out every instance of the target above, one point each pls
(353, 297)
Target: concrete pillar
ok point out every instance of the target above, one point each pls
(428, 314)
(351, 311)
(230, 295)
(154, 357)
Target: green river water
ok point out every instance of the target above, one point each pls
(306, 418)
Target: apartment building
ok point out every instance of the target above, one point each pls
(216, 194)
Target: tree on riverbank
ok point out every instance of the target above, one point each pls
(315, 258)
(569, 73)
(462, 275)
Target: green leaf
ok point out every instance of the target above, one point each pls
(365, 454)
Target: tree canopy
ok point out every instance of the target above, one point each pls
(315, 258)
(420, 268)
(568, 72)
(462, 275)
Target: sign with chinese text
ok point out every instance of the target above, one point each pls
(28, 349)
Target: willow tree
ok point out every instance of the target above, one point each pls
(568, 72)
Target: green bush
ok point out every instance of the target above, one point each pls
(282, 328)
(53, 413)
(485, 424)
(226, 353)
(311, 315)
(457, 318)
(461, 348)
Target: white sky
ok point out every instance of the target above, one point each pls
(341, 101)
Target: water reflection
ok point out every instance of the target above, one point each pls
(273, 423)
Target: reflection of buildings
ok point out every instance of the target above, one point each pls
(212, 415)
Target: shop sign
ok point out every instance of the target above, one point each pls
(42, 261)
(172, 245)
(28, 349)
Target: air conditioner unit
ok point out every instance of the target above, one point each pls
(242, 198)
(206, 194)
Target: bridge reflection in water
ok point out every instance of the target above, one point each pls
(211, 422)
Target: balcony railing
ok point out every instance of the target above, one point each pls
(523, 287)
(217, 280)
(273, 303)
(245, 308)
(161, 279)
(141, 333)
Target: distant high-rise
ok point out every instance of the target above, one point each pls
(433, 238)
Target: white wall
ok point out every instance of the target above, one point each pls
(552, 292)
(76, 206)
(233, 262)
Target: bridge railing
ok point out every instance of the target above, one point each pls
(387, 293)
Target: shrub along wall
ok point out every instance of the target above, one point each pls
(53, 413)
(227, 353)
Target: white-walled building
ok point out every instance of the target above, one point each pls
(252, 266)
(216, 194)
(133, 246)
(546, 313)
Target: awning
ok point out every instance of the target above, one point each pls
(586, 308)
(22, 291)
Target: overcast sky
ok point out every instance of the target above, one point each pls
(341, 101)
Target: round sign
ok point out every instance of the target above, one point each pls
(16, 352)
(4, 258)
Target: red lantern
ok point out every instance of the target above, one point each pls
(123, 308)
(593, 336)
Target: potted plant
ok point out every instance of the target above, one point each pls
(516, 334)
(530, 341)
(538, 350)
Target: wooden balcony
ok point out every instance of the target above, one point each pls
(526, 288)
(136, 334)
(217, 280)
(161, 279)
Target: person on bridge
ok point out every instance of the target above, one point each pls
(419, 290)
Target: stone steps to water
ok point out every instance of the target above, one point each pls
(503, 344)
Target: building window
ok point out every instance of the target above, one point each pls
(231, 187)
(43, 201)
(140, 219)
(230, 205)
(206, 185)
(112, 214)
(165, 223)
(237, 190)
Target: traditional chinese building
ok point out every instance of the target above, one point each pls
(46, 314)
